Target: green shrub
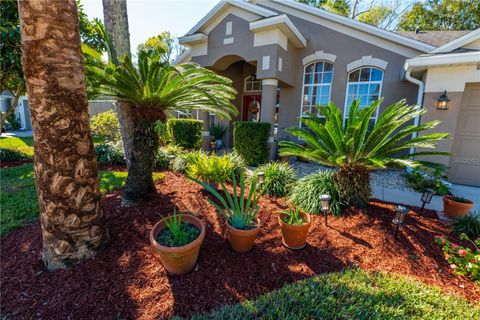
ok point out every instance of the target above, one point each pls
(306, 192)
(278, 178)
(108, 153)
(468, 224)
(421, 179)
(106, 127)
(162, 132)
(14, 123)
(162, 158)
(183, 160)
(211, 168)
(12, 155)
(218, 131)
(186, 133)
(239, 164)
(250, 140)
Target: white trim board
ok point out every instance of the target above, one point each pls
(285, 25)
(459, 42)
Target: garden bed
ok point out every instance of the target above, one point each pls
(127, 280)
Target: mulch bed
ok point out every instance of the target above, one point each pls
(11, 164)
(127, 280)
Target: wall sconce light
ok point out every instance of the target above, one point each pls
(253, 77)
(325, 200)
(442, 101)
(427, 196)
(399, 220)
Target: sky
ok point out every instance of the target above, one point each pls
(147, 18)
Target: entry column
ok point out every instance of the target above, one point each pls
(267, 112)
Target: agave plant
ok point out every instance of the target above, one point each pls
(356, 149)
(154, 89)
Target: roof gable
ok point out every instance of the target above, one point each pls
(459, 42)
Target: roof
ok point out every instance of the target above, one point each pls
(434, 38)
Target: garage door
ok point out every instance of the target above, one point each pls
(465, 162)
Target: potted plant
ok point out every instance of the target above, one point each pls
(213, 145)
(294, 225)
(239, 212)
(218, 131)
(454, 206)
(177, 240)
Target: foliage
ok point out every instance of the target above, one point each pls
(239, 164)
(90, 34)
(12, 119)
(177, 233)
(19, 203)
(293, 216)
(164, 154)
(162, 132)
(278, 178)
(106, 127)
(353, 185)
(442, 15)
(426, 178)
(109, 154)
(186, 133)
(250, 140)
(211, 168)
(218, 131)
(460, 199)
(351, 294)
(165, 43)
(11, 155)
(468, 224)
(183, 160)
(240, 212)
(158, 87)
(463, 260)
(20, 144)
(306, 193)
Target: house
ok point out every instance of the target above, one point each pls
(22, 111)
(287, 57)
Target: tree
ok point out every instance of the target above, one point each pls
(442, 15)
(163, 42)
(73, 223)
(154, 90)
(90, 30)
(355, 149)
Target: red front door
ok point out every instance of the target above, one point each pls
(247, 114)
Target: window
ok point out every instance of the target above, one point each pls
(252, 84)
(364, 84)
(317, 86)
(183, 114)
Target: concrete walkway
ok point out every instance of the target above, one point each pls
(17, 134)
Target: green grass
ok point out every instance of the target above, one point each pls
(351, 294)
(21, 144)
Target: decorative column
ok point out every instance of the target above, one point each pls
(205, 117)
(267, 112)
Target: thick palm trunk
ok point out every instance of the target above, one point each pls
(353, 183)
(73, 223)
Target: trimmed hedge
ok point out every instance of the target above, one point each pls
(185, 133)
(250, 140)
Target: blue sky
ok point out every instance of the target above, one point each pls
(147, 18)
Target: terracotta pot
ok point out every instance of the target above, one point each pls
(242, 240)
(454, 209)
(178, 260)
(294, 236)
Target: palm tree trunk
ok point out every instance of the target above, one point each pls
(73, 223)
(353, 183)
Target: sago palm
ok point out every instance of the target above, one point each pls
(355, 149)
(155, 89)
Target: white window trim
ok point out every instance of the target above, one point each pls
(363, 82)
(245, 85)
(367, 61)
(313, 85)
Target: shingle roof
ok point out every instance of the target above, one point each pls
(434, 38)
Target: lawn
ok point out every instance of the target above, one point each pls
(20, 144)
(351, 294)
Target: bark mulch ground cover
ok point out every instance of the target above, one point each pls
(127, 279)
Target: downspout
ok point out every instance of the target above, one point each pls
(421, 89)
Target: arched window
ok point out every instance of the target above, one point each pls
(252, 84)
(317, 86)
(365, 84)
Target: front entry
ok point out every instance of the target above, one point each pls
(465, 163)
(251, 107)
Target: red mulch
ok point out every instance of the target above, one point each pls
(127, 279)
(10, 164)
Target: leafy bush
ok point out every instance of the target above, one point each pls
(250, 140)
(14, 123)
(162, 158)
(278, 178)
(183, 160)
(108, 153)
(12, 155)
(162, 132)
(421, 179)
(218, 131)
(211, 168)
(463, 260)
(306, 192)
(186, 133)
(106, 127)
(468, 224)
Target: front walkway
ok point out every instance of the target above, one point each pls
(19, 134)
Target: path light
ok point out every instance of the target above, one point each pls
(261, 177)
(442, 101)
(171, 158)
(325, 199)
(427, 196)
(399, 220)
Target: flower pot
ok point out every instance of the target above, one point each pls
(294, 236)
(302, 159)
(219, 143)
(455, 209)
(178, 260)
(242, 240)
